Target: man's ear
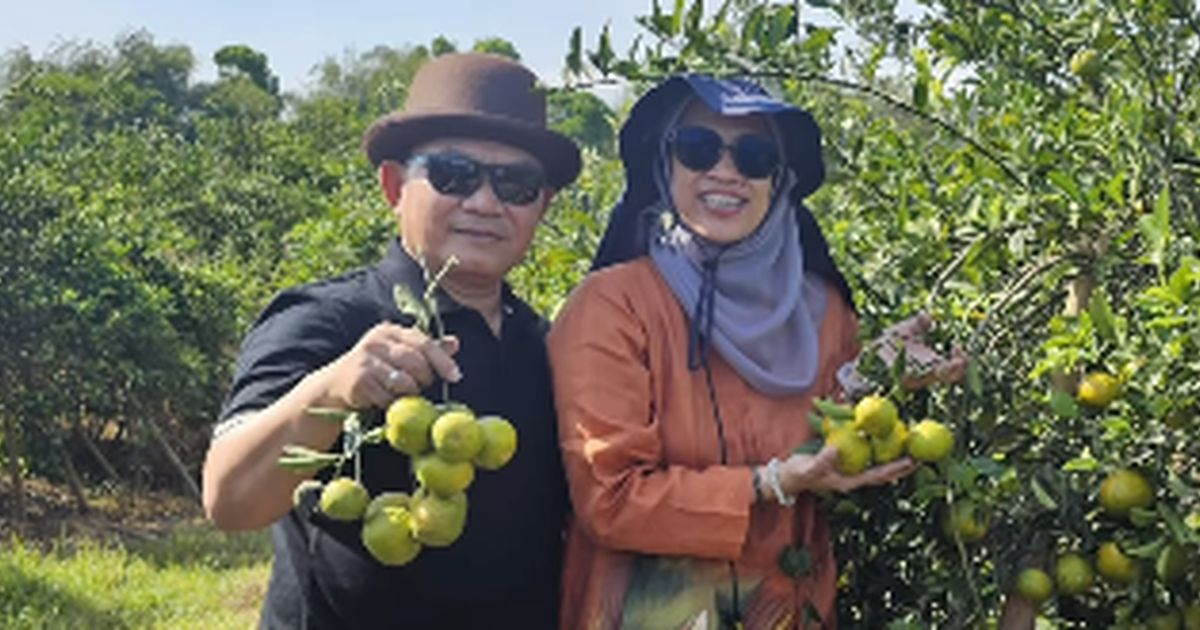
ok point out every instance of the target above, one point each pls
(391, 180)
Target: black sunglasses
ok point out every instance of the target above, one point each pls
(458, 175)
(700, 148)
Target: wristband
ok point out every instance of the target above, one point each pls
(756, 483)
(784, 498)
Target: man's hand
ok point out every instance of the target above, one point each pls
(818, 473)
(389, 361)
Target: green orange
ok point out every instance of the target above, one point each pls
(1034, 585)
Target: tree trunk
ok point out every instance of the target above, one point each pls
(1018, 614)
(12, 447)
(109, 471)
(1079, 292)
(175, 461)
(72, 476)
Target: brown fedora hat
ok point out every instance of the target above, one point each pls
(473, 95)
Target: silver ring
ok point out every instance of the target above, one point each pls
(393, 377)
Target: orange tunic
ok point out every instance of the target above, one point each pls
(663, 533)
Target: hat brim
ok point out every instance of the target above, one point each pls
(394, 137)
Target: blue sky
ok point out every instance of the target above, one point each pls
(298, 34)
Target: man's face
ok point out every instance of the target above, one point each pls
(487, 235)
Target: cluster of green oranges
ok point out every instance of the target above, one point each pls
(1121, 493)
(446, 444)
(871, 432)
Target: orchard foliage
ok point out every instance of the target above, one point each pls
(147, 218)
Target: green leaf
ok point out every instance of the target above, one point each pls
(834, 410)
(677, 17)
(811, 447)
(1102, 315)
(694, 16)
(574, 60)
(1142, 517)
(1083, 463)
(304, 460)
(373, 436)
(1042, 495)
(1179, 531)
(1063, 404)
(603, 57)
(409, 304)
(1148, 551)
(1066, 183)
(303, 465)
(1156, 228)
(987, 467)
(974, 378)
(753, 27)
(328, 413)
(920, 93)
(782, 26)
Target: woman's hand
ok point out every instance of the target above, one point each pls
(924, 366)
(819, 473)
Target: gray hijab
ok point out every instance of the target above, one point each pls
(751, 300)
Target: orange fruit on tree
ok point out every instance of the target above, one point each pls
(875, 416)
(1072, 574)
(965, 520)
(1034, 585)
(1124, 490)
(1114, 565)
(930, 441)
(1098, 389)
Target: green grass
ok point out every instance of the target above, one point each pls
(195, 578)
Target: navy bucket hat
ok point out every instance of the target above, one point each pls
(626, 235)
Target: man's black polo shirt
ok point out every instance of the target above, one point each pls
(504, 570)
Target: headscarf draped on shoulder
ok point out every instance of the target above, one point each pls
(754, 301)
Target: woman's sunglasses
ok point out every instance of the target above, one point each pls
(458, 175)
(700, 148)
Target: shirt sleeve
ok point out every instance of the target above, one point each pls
(624, 493)
(296, 334)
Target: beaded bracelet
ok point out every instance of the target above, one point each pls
(784, 498)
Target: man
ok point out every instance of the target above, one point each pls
(468, 168)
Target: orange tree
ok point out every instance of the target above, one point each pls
(1027, 172)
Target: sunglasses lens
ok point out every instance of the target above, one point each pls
(451, 174)
(517, 184)
(697, 148)
(755, 156)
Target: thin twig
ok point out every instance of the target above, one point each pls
(751, 72)
(959, 260)
(1013, 289)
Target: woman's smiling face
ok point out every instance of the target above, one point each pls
(720, 204)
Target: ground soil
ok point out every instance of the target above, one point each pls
(52, 513)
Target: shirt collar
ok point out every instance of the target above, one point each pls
(399, 268)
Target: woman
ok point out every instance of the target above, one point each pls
(686, 365)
